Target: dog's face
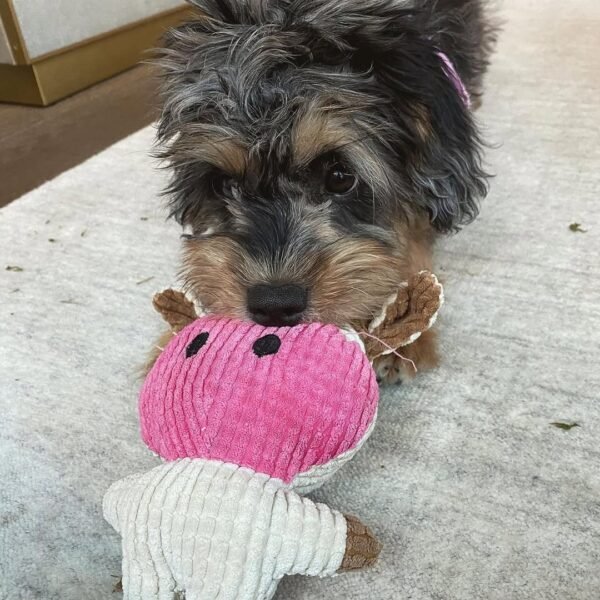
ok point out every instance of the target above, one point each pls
(313, 144)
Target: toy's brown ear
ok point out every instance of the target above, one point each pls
(175, 308)
(406, 316)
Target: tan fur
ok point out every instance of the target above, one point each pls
(349, 282)
(327, 126)
(423, 353)
(422, 122)
(415, 238)
(211, 274)
(155, 351)
(214, 145)
(315, 133)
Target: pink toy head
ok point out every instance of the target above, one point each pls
(279, 401)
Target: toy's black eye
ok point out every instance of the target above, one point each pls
(196, 344)
(268, 344)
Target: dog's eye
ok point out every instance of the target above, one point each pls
(339, 181)
(195, 345)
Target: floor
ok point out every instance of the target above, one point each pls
(481, 479)
(36, 144)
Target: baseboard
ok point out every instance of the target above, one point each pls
(18, 84)
(61, 74)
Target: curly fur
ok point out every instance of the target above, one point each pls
(270, 92)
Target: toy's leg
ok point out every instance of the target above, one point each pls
(144, 583)
(229, 513)
(321, 541)
(133, 506)
(315, 537)
(146, 575)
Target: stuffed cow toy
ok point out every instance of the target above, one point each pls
(248, 419)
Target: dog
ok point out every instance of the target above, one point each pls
(317, 150)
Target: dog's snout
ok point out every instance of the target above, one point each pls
(277, 305)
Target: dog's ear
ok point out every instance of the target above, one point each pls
(444, 158)
(445, 168)
(439, 147)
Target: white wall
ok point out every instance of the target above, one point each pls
(49, 25)
(6, 57)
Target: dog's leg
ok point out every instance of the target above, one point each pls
(421, 355)
(415, 238)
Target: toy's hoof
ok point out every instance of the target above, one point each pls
(362, 547)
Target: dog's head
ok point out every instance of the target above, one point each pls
(306, 138)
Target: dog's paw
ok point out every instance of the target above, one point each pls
(418, 356)
(392, 370)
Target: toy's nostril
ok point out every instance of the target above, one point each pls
(277, 305)
(264, 346)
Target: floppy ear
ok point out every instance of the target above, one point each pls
(438, 147)
(412, 311)
(175, 308)
(445, 165)
(447, 172)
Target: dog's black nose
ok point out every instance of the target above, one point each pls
(277, 305)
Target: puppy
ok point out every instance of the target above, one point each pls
(318, 148)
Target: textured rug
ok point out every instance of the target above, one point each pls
(472, 490)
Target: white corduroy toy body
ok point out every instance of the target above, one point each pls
(247, 418)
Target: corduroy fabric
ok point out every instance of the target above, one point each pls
(480, 497)
(279, 414)
(218, 532)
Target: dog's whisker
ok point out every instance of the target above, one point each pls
(388, 347)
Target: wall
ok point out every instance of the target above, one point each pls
(49, 26)
(6, 57)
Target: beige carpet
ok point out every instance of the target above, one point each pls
(474, 493)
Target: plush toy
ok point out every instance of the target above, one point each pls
(406, 315)
(248, 419)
